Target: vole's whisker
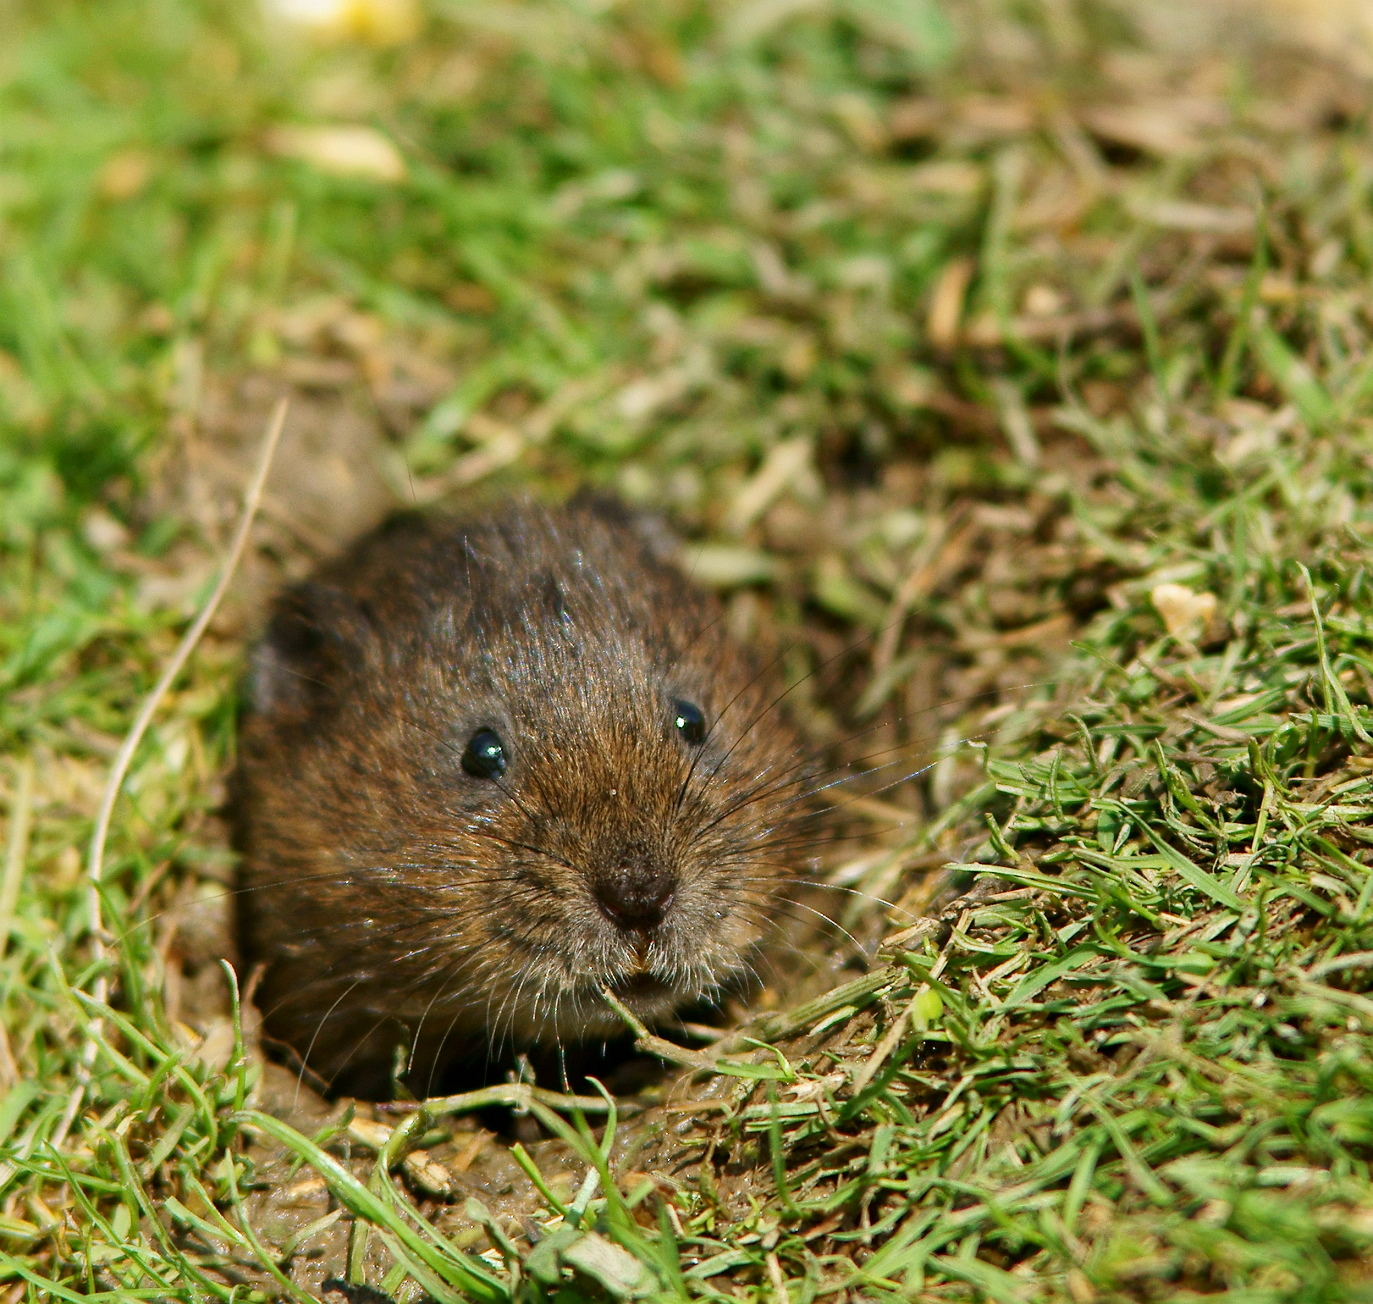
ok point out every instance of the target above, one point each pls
(324, 1018)
(787, 692)
(821, 885)
(440, 990)
(764, 791)
(866, 774)
(819, 914)
(750, 797)
(807, 885)
(729, 706)
(533, 850)
(503, 1023)
(436, 1059)
(767, 924)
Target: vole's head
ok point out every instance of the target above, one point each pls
(618, 820)
(500, 767)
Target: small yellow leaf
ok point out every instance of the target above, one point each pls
(428, 1174)
(370, 1134)
(1185, 614)
(345, 151)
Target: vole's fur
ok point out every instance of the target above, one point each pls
(394, 896)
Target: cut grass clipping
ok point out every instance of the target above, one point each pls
(1023, 361)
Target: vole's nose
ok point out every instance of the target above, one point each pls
(636, 899)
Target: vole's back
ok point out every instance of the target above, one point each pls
(489, 766)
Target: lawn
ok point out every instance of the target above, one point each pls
(1006, 371)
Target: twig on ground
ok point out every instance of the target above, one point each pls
(95, 859)
(516, 1094)
(646, 1042)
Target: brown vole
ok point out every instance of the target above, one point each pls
(489, 765)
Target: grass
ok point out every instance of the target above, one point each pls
(948, 334)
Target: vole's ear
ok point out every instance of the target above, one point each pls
(652, 530)
(314, 639)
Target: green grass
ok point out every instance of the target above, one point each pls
(697, 254)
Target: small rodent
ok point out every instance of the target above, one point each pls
(487, 765)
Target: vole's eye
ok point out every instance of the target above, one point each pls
(484, 755)
(689, 722)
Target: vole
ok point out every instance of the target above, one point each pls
(489, 765)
